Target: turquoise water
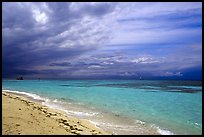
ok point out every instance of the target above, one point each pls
(173, 106)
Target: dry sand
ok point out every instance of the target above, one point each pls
(21, 116)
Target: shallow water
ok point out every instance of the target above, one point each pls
(125, 106)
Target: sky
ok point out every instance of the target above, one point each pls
(102, 40)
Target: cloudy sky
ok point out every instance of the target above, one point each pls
(102, 40)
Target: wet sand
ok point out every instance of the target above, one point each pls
(22, 116)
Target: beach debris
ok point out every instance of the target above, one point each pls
(72, 128)
(78, 129)
(47, 115)
(44, 111)
(62, 120)
(66, 123)
(52, 114)
(17, 124)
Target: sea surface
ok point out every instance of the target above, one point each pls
(122, 106)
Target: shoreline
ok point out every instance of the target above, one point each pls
(112, 123)
(22, 116)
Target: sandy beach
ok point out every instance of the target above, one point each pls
(22, 116)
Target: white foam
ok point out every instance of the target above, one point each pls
(55, 105)
(95, 123)
(52, 105)
(194, 123)
(34, 96)
(55, 101)
(79, 113)
(140, 122)
(197, 124)
(164, 132)
(131, 128)
(47, 100)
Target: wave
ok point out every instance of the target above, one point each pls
(34, 96)
(96, 124)
(55, 104)
(195, 124)
(80, 113)
(188, 87)
(164, 131)
(139, 122)
(45, 101)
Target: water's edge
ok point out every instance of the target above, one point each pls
(137, 127)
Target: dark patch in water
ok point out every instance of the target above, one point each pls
(163, 86)
(62, 99)
(84, 86)
(65, 85)
(75, 85)
(183, 91)
(117, 115)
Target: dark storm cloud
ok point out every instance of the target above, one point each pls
(75, 65)
(83, 40)
(60, 64)
(97, 10)
(15, 16)
(35, 34)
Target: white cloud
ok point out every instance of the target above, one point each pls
(108, 63)
(144, 60)
(40, 17)
(94, 66)
(40, 12)
(167, 74)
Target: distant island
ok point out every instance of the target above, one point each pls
(19, 78)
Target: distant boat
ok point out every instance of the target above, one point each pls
(19, 78)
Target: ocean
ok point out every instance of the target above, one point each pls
(122, 106)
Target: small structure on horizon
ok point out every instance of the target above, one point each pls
(19, 78)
